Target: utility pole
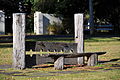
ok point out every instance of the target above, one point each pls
(91, 20)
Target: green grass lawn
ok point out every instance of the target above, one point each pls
(109, 70)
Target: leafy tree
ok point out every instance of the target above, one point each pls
(68, 8)
(45, 6)
(9, 7)
(64, 8)
(13, 6)
(107, 12)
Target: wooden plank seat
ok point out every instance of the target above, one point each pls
(69, 53)
(92, 58)
(55, 46)
(43, 47)
(72, 55)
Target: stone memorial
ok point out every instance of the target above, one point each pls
(42, 20)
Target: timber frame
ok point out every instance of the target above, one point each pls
(52, 51)
(72, 51)
(92, 58)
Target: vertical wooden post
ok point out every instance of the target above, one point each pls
(2, 22)
(78, 22)
(93, 60)
(38, 23)
(59, 63)
(19, 40)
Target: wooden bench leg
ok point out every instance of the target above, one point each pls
(92, 60)
(59, 63)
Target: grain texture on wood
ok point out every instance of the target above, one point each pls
(79, 37)
(72, 55)
(56, 46)
(19, 40)
(2, 22)
(38, 23)
(93, 60)
(59, 63)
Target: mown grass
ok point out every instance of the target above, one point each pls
(98, 75)
(5, 53)
(109, 69)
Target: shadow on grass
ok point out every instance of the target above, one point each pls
(60, 39)
(6, 45)
(43, 66)
(112, 60)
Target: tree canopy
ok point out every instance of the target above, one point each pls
(105, 11)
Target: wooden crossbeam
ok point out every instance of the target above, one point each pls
(31, 52)
(67, 55)
(73, 55)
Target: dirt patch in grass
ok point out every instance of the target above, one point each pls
(5, 66)
(41, 74)
(46, 72)
(10, 73)
(70, 72)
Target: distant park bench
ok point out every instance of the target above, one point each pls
(100, 28)
(104, 28)
(58, 51)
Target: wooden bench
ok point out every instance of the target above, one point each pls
(100, 28)
(104, 28)
(42, 46)
(68, 50)
(92, 58)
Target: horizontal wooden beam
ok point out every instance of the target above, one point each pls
(55, 46)
(67, 55)
(73, 55)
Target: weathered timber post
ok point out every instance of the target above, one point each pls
(38, 23)
(93, 60)
(78, 22)
(59, 63)
(19, 40)
(2, 22)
